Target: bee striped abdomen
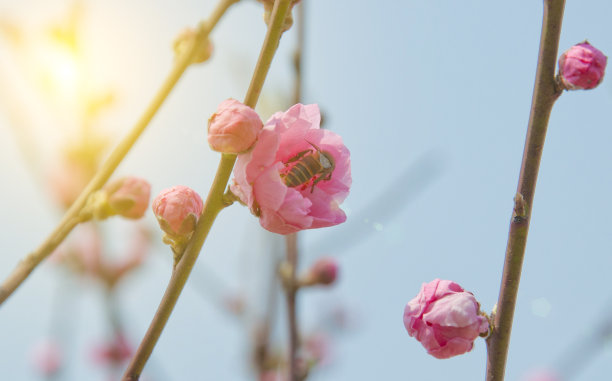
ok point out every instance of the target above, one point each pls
(303, 171)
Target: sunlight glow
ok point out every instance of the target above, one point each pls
(60, 71)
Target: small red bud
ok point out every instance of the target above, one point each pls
(582, 67)
(324, 271)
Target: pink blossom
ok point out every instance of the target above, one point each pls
(445, 319)
(114, 352)
(129, 196)
(233, 128)
(324, 271)
(582, 67)
(46, 356)
(261, 175)
(177, 210)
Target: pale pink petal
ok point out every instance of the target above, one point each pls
(269, 190)
(455, 310)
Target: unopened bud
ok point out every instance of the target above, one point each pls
(177, 210)
(582, 67)
(445, 318)
(233, 128)
(127, 197)
(185, 40)
(323, 272)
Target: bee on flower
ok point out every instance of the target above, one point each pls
(297, 175)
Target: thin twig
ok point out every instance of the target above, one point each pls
(71, 218)
(213, 205)
(544, 96)
(291, 239)
(290, 295)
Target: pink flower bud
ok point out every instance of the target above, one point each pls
(233, 128)
(114, 352)
(324, 271)
(445, 319)
(582, 67)
(129, 197)
(177, 210)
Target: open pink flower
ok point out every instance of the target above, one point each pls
(265, 179)
(582, 67)
(445, 319)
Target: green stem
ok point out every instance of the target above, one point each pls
(544, 96)
(213, 205)
(71, 217)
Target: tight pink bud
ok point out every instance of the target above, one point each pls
(324, 271)
(177, 210)
(233, 128)
(129, 197)
(445, 319)
(114, 352)
(582, 67)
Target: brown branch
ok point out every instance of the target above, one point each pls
(544, 95)
(290, 284)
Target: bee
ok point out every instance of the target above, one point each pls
(309, 165)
